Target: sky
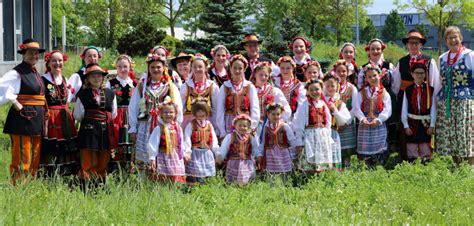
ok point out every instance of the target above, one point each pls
(385, 6)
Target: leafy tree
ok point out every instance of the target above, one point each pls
(443, 14)
(173, 11)
(368, 31)
(423, 29)
(394, 28)
(60, 8)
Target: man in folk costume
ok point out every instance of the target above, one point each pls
(251, 44)
(23, 87)
(402, 78)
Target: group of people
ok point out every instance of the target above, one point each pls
(186, 117)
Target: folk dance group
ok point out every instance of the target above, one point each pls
(184, 118)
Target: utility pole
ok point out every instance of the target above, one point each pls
(357, 22)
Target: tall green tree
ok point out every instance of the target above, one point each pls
(394, 28)
(222, 20)
(443, 14)
(368, 31)
(60, 8)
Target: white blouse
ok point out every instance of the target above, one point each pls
(154, 141)
(387, 106)
(300, 120)
(187, 139)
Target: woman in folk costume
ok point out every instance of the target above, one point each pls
(24, 89)
(182, 65)
(240, 150)
(219, 70)
(165, 146)
(419, 113)
(90, 55)
(143, 108)
(348, 94)
(58, 148)
(375, 49)
(455, 121)
(198, 86)
(340, 116)
(312, 127)
(301, 49)
(201, 145)
(372, 107)
(163, 53)
(123, 85)
(291, 87)
(95, 108)
(347, 54)
(268, 94)
(237, 96)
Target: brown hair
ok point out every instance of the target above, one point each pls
(200, 105)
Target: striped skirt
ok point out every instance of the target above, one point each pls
(371, 140)
(278, 160)
(336, 150)
(143, 135)
(240, 171)
(202, 163)
(169, 164)
(348, 136)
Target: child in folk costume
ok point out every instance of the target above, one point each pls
(340, 116)
(267, 93)
(312, 71)
(237, 96)
(182, 65)
(198, 86)
(58, 148)
(348, 94)
(219, 70)
(90, 55)
(347, 53)
(372, 107)
(24, 89)
(95, 108)
(143, 108)
(312, 127)
(375, 49)
(277, 138)
(419, 113)
(163, 53)
(240, 149)
(165, 146)
(201, 142)
(123, 85)
(291, 87)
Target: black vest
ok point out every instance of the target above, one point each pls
(93, 134)
(123, 94)
(30, 120)
(404, 66)
(248, 71)
(54, 96)
(418, 128)
(218, 80)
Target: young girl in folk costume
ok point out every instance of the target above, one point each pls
(165, 147)
(182, 65)
(95, 108)
(163, 53)
(348, 94)
(312, 127)
(199, 86)
(291, 87)
(277, 138)
(219, 71)
(58, 150)
(24, 89)
(240, 149)
(312, 71)
(143, 108)
(419, 113)
(201, 143)
(347, 53)
(123, 85)
(268, 94)
(237, 96)
(301, 49)
(90, 55)
(340, 116)
(375, 49)
(372, 107)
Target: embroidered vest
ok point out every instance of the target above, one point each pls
(123, 93)
(201, 137)
(346, 96)
(192, 94)
(276, 137)
(239, 150)
(369, 104)
(173, 139)
(265, 98)
(237, 103)
(291, 94)
(316, 117)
